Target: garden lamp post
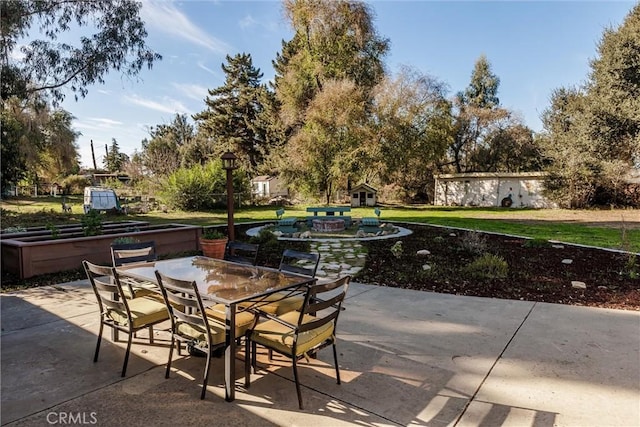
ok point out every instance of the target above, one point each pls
(229, 164)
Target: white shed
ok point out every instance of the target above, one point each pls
(268, 186)
(363, 195)
(498, 189)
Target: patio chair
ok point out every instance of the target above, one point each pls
(190, 326)
(241, 252)
(298, 333)
(134, 253)
(118, 312)
(297, 262)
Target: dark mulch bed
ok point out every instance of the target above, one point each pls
(536, 271)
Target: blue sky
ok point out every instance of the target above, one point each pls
(534, 47)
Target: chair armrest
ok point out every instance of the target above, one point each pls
(275, 319)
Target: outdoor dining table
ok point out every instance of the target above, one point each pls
(237, 286)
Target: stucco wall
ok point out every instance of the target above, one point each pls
(490, 190)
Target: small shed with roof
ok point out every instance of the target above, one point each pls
(363, 195)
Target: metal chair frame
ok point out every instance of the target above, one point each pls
(241, 252)
(106, 285)
(290, 257)
(323, 311)
(182, 293)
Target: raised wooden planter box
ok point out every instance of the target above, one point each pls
(26, 257)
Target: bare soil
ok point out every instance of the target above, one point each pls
(537, 271)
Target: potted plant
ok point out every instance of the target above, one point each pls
(213, 243)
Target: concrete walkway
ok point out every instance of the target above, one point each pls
(407, 358)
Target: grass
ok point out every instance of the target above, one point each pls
(544, 224)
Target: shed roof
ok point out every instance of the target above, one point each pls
(364, 186)
(453, 176)
(263, 178)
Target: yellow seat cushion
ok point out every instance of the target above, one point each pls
(279, 304)
(140, 288)
(244, 319)
(199, 334)
(280, 337)
(144, 311)
(141, 292)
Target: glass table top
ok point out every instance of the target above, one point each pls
(219, 280)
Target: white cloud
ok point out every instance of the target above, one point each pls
(207, 69)
(165, 17)
(98, 123)
(260, 24)
(196, 92)
(247, 22)
(105, 122)
(167, 105)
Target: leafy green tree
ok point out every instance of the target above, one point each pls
(13, 166)
(511, 147)
(477, 111)
(614, 92)
(335, 51)
(61, 152)
(162, 154)
(231, 118)
(592, 134)
(333, 40)
(48, 64)
(37, 143)
(411, 127)
(573, 168)
(319, 158)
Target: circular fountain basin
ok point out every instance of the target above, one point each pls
(328, 225)
(401, 232)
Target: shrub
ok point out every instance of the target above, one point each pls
(55, 231)
(74, 184)
(270, 248)
(631, 267)
(125, 240)
(536, 243)
(397, 249)
(201, 187)
(487, 266)
(92, 223)
(474, 242)
(213, 234)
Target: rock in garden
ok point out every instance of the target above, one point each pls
(452, 234)
(567, 261)
(426, 267)
(277, 233)
(578, 285)
(423, 252)
(361, 233)
(558, 246)
(305, 235)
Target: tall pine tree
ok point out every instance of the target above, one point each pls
(231, 120)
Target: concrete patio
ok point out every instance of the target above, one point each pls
(407, 358)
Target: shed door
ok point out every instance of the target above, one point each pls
(363, 198)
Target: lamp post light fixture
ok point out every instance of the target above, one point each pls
(229, 164)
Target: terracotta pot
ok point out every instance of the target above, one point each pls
(213, 248)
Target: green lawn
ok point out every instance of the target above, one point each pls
(580, 227)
